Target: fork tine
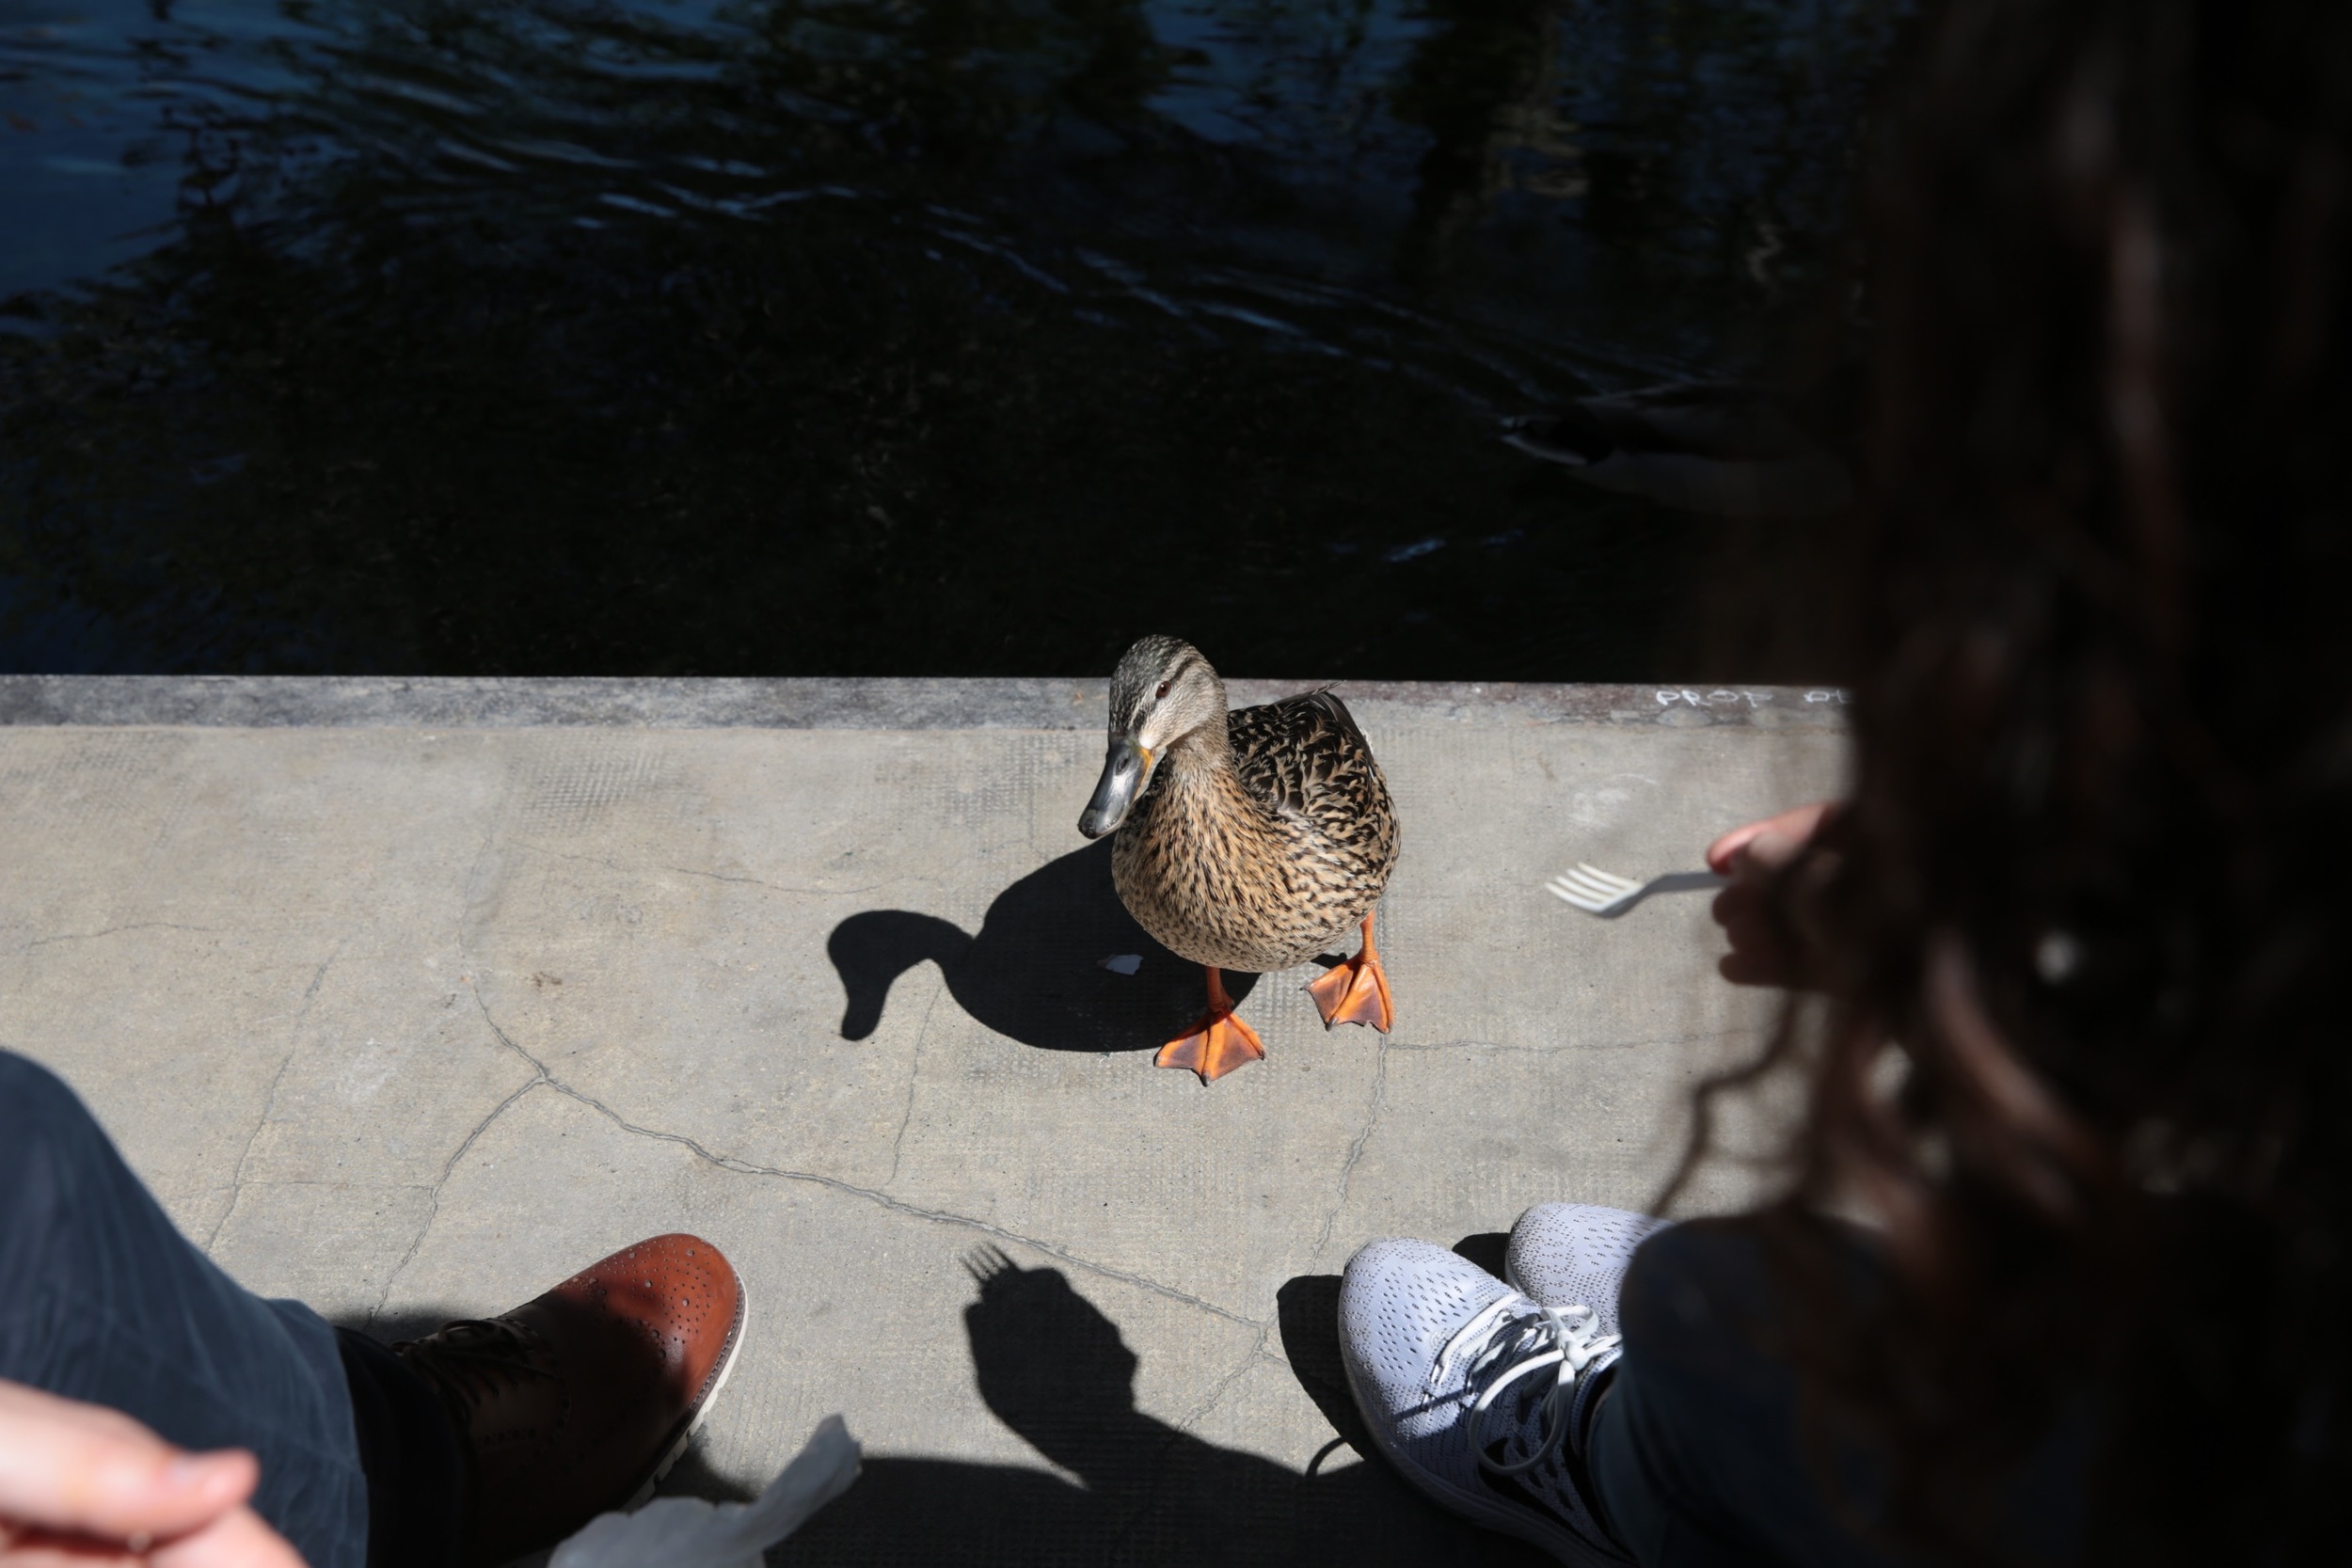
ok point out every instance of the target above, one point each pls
(1595, 888)
(1589, 887)
(1559, 889)
(1590, 903)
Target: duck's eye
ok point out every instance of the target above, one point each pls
(1161, 692)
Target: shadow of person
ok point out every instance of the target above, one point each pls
(1307, 1313)
(1054, 1369)
(1035, 970)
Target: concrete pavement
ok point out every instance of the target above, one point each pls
(410, 997)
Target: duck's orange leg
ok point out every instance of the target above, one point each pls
(1218, 1044)
(1356, 991)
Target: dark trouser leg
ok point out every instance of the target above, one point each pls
(416, 1474)
(1696, 1454)
(103, 1299)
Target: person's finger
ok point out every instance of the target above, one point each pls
(86, 1470)
(1753, 967)
(237, 1538)
(1762, 962)
(1751, 932)
(43, 1550)
(1723, 853)
(1743, 905)
(1797, 824)
(1768, 851)
(1759, 954)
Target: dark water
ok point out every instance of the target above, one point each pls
(881, 335)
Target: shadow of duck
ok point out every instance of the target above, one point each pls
(1035, 973)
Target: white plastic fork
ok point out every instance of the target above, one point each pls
(1606, 894)
(1593, 889)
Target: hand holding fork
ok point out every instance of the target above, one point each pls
(1740, 863)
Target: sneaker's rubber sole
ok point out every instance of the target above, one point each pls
(687, 1427)
(1496, 1513)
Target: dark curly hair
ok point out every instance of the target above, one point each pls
(2083, 1056)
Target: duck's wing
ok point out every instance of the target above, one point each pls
(1306, 760)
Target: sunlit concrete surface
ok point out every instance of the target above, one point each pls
(409, 998)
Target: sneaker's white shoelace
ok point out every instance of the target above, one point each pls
(1508, 1343)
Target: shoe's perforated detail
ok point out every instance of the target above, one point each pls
(1576, 1254)
(1408, 1312)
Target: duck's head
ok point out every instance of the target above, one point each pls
(1161, 692)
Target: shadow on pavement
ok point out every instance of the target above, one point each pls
(1485, 1248)
(1033, 972)
(1056, 1370)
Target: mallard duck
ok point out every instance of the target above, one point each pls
(1705, 446)
(1247, 841)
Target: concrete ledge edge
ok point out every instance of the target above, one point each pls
(810, 703)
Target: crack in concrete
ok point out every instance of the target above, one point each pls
(539, 1074)
(1280, 1363)
(913, 1210)
(817, 1179)
(605, 861)
(611, 865)
(112, 931)
(1225, 1384)
(269, 1101)
(1178, 1432)
(1706, 1037)
(236, 1174)
(473, 875)
(432, 1211)
(339, 1186)
(1356, 1150)
(915, 1071)
(808, 892)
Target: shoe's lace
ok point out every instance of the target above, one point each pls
(467, 1359)
(1508, 1344)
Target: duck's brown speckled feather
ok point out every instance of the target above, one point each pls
(1263, 859)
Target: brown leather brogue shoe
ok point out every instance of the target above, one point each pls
(577, 1402)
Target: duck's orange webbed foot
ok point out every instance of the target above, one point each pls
(1218, 1044)
(1356, 991)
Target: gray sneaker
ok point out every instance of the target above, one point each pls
(1576, 1254)
(1478, 1394)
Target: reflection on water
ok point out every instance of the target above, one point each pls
(834, 336)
